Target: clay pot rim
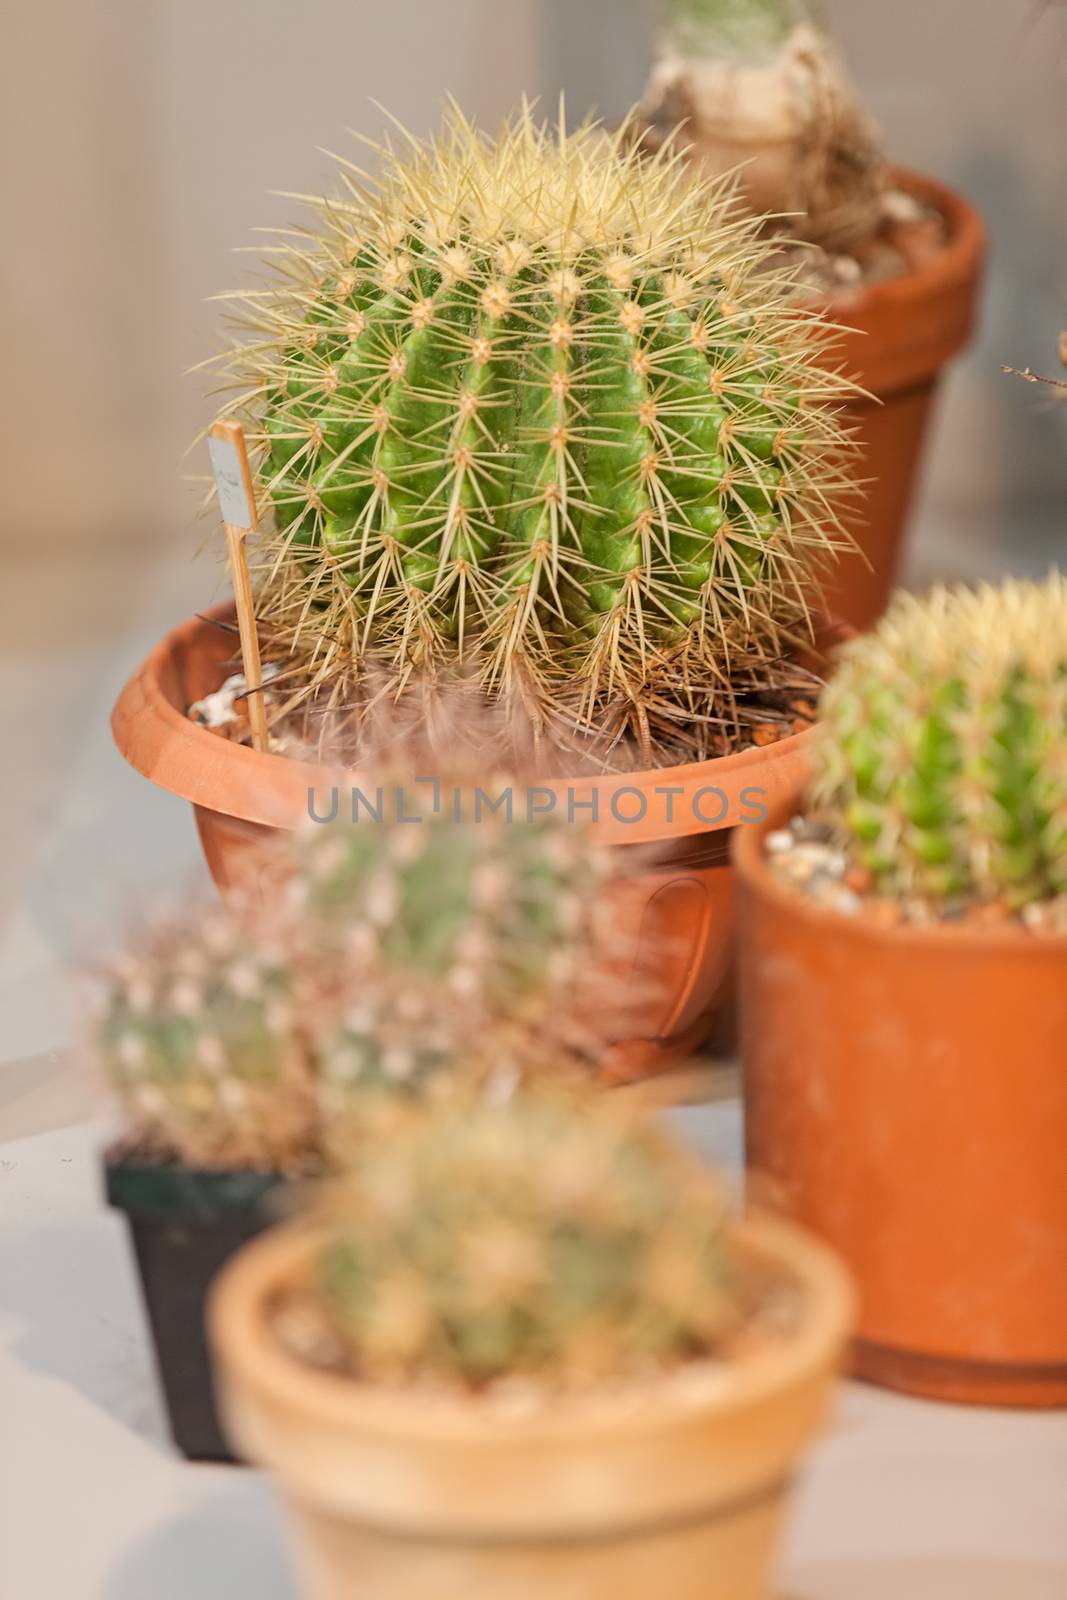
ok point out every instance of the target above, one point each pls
(160, 741)
(755, 876)
(952, 265)
(239, 1334)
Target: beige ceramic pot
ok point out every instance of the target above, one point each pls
(673, 1492)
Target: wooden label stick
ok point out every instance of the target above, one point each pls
(237, 502)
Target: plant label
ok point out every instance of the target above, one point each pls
(230, 483)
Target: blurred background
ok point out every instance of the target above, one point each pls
(140, 140)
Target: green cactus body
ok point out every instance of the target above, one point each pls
(943, 756)
(529, 408)
(715, 26)
(540, 1238)
(442, 947)
(197, 1038)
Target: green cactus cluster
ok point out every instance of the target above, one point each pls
(498, 915)
(536, 1238)
(942, 760)
(197, 1036)
(534, 410)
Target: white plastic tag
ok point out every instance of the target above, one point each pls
(230, 483)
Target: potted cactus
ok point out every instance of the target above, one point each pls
(403, 963)
(758, 86)
(198, 1038)
(525, 1351)
(529, 411)
(904, 985)
(446, 950)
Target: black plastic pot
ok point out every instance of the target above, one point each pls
(185, 1225)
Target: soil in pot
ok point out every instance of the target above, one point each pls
(678, 1484)
(185, 1225)
(905, 1098)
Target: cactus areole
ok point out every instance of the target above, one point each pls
(533, 409)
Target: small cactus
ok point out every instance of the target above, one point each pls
(463, 952)
(533, 409)
(500, 916)
(197, 1038)
(942, 760)
(757, 87)
(538, 1238)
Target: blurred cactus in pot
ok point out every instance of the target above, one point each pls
(494, 911)
(942, 760)
(532, 1239)
(405, 958)
(758, 84)
(197, 1037)
(455, 948)
(530, 409)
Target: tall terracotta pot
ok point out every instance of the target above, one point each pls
(677, 1490)
(906, 1099)
(681, 816)
(901, 334)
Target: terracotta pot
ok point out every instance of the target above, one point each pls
(402, 1498)
(906, 1098)
(685, 908)
(901, 334)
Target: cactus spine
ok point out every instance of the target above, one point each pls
(532, 407)
(943, 756)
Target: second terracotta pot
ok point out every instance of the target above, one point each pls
(906, 1098)
(900, 335)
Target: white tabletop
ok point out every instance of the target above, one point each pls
(905, 1500)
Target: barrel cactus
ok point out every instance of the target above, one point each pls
(196, 1035)
(943, 756)
(533, 409)
(535, 1238)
